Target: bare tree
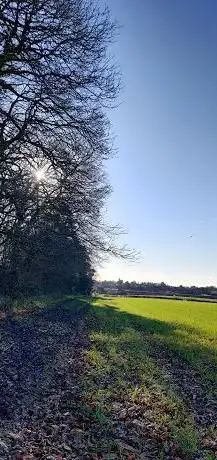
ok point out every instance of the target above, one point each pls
(56, 81)
(55, 75)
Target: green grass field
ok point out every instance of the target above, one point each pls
(149, 363)
(190, 328)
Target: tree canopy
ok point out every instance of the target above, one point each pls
(56, 81)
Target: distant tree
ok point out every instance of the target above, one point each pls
(127, 285)
(120, 286)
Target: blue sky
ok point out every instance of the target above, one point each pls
(165, 175)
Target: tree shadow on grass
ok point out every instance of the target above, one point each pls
(180, 338)
(188, 364)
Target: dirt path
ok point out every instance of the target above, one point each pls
(40, 379)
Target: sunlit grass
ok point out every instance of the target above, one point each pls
(190, 328)
(200, 315)
(125, 374)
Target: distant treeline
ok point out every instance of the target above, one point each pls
(121, 287)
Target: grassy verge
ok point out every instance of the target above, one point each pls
(25, 306)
